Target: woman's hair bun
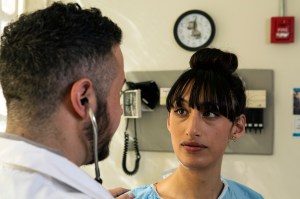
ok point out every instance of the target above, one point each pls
(214, 59)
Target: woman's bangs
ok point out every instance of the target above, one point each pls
(208, 90)
(211, 92)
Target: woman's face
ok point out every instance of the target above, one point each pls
(199, 138)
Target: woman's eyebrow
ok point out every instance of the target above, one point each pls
(182, 101)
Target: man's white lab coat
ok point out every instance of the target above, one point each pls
(31, 171)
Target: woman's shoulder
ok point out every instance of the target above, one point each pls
(237, 190)
(145, 192)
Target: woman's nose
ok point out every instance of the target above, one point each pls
(193, 125)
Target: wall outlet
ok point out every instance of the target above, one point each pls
(163, 95)
(256, 98)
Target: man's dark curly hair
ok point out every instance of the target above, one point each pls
(43, 53)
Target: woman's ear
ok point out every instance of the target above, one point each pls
(238, 129)
(168, 122)
(81, 95)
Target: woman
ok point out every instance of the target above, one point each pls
(206, 108)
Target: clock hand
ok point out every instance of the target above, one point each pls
(195, 32)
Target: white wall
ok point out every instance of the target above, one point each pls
(243, 26)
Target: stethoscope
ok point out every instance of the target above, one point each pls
(84, 101)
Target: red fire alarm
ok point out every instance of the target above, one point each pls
(282, 29)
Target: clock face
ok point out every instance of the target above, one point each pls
(194, 29)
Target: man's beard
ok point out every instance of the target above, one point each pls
(104, 135)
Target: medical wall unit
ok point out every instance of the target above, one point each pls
(151, 128)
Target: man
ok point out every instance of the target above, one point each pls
(58, 67)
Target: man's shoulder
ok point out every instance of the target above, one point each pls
(29, 170)
(23, 184)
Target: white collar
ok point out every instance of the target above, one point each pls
(50, 164)
(225, 189)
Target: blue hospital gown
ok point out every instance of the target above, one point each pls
(232, 190)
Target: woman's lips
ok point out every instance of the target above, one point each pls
(193, 146)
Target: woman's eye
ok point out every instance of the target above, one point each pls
(180, 111)
(210, 114)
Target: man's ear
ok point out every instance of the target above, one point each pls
(82, 94)
(238, 129)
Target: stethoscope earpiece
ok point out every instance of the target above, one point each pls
(84, 101)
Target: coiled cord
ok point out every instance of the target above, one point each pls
(136, 149)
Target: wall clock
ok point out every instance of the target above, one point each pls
(194, 29)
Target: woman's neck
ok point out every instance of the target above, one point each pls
(189, 183)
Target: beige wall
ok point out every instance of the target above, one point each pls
(243, 26)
